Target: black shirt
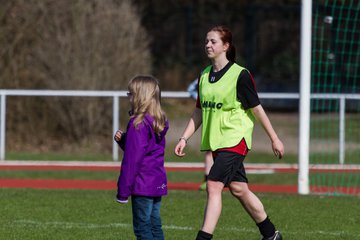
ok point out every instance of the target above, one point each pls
(245, 88)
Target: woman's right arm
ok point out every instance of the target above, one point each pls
(193, 124)
(277, 145)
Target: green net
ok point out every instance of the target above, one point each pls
(335, 103)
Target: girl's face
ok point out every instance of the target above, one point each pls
(131, 98)
(214, 46)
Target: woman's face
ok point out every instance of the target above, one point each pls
(214, 46)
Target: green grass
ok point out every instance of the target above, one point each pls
(93, 214)
(191, 156)
(327, 126)
(260, 157)
(351, 157)
(59, 174)
(316, 179)
(89, 214)
(50, 156)
(194, 156)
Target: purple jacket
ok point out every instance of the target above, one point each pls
(142, 169)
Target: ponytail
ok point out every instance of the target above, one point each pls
(231, 53)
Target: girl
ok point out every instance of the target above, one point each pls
(227, 107)
(143, 175)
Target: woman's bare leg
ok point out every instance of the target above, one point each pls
(213, 206)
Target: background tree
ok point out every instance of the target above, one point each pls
(266, 34)
(68, 44)
(99, 45)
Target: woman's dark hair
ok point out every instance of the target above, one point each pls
(226, 37)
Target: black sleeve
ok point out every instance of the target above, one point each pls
(246, 90)
(122, 141)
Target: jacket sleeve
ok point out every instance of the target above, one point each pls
(122, 141)
(134, 152)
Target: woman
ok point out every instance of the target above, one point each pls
(226, 108)
(208, 159)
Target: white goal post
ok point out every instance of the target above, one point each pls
(304, 102)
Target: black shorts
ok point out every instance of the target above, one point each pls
(228, 167)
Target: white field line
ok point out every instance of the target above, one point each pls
(82, 225)
(249, 166)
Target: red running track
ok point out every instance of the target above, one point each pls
(108, 185)
(111, 185)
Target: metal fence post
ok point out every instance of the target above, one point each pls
(115, 126)
(342, 131)
(2, 125)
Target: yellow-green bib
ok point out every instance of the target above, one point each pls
(224, 120)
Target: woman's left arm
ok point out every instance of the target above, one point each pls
(277, 145)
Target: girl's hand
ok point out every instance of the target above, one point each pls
(122, 201)
(278, 148)
(118, 135)
(179, 148)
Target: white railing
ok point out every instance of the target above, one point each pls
(116, 95)
(70, 93)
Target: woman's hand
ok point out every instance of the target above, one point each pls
(278, 148)
(193, 124)
(179, 148)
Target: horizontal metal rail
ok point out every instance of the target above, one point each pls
(116, 95)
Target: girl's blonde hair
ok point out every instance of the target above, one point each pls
(146, 98)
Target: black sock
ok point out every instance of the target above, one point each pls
(266, 227)
(203, 236)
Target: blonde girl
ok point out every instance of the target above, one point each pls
(142, 175)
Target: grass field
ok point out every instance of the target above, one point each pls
(91, 214)
(37, 214)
